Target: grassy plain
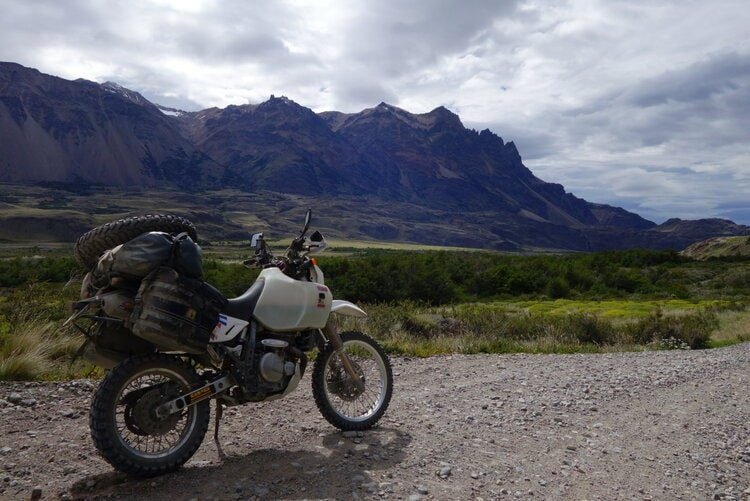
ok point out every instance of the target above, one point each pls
(541, 327)
(55, 213)
(427, 302)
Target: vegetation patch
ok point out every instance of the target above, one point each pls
(407, 328)
(428, 303)
(719, 247)
(33, 343)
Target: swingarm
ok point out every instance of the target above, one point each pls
(206, 391)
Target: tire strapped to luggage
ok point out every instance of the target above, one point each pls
(92, 244)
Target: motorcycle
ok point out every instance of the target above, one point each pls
(151, 411)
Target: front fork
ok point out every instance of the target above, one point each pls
(332, 336)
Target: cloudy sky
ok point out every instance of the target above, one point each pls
(641, 104)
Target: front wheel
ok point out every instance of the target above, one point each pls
(342, 403)
(124, 425)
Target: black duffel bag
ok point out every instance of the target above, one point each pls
(176, 312)
(137, 258)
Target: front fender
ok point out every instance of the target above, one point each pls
(347, 308)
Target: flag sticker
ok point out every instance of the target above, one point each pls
(221, 323)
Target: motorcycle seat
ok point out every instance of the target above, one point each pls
(242, 307)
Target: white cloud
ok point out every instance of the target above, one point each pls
(639, 103)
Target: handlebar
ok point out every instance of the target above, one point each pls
(292, 263)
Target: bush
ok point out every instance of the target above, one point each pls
(437, 278)
(558, 288)
(694, 329)
(231, 279)
(429, 326)
(593, 329)
(23, 270)
(738, 279)
(625, 280)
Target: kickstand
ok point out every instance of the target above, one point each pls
(219, 414)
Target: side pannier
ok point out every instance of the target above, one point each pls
(175, 312)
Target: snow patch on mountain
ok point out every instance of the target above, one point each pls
(172, 112)
(128, 94)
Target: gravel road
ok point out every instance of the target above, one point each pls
(655, 425)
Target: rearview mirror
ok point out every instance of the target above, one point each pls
(316, 236)
(256, 241)
(308, 217)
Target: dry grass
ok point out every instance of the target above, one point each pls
(735, 328)
(32, 347)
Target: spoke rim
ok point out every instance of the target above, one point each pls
(366, 404)
(154, 445)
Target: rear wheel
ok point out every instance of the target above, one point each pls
(124, 425)
(338, 398)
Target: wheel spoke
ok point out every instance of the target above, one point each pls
(156, 436)
(345, 399)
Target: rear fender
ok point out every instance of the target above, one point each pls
(346, 308)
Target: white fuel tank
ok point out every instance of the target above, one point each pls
(286, 304)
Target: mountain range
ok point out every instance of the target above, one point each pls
(420, 169)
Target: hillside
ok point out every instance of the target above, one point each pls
(57, 130)
(719, 247)
(382, 173)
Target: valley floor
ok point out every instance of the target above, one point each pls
(648, 425)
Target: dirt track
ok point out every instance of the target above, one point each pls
(660, 425)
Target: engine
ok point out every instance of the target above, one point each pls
(273, 367)
(269, 368)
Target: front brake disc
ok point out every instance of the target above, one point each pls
(341, 385)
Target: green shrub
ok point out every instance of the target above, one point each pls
(694, 329)
(443, 277)
(23, 270)
(558, 287)
(738, 279)
(593, 329)
(232, 279)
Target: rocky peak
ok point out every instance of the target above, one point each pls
(388, 110)
(130, 95)
(278, 102)
(488, 135)
(385, 114)
(441, 118)
(284, 109)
